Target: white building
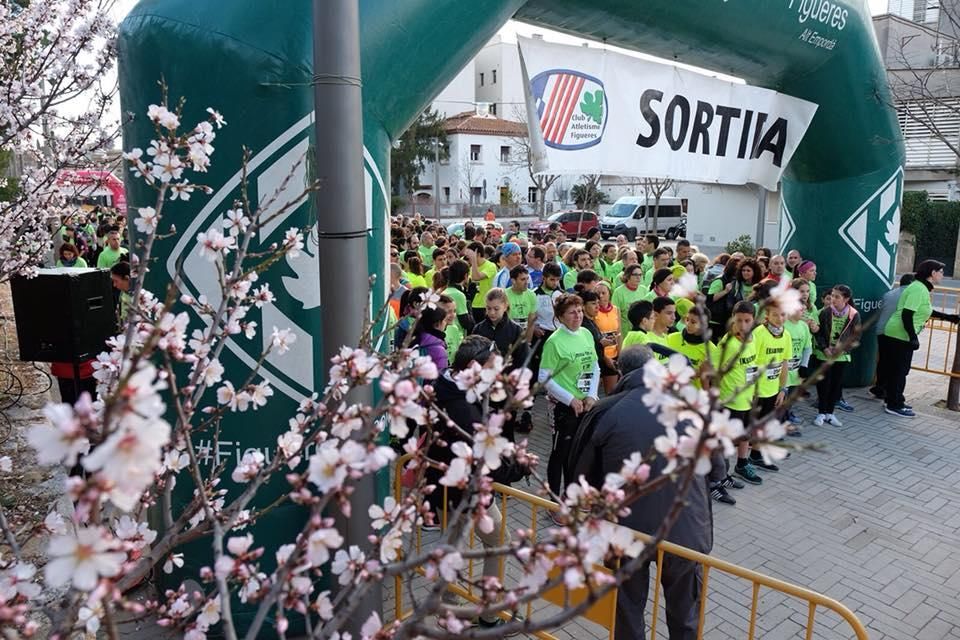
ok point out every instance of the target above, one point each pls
(459, 95)
(499, 80)
(486, 165)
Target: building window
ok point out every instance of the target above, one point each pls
(474, 153)
(504, 154)
(446, 195)
(532, 195)
(481, 79)
(493, 108)
(493, 80)
(475, 195)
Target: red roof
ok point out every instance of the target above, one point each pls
(470, 122)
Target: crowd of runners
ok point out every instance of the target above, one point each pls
(568, 310)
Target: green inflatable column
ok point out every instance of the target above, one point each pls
(260, 83)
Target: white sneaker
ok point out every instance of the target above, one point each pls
(818, 421)
(833, 420)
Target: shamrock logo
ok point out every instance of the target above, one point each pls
(892, 235)
(592, 105)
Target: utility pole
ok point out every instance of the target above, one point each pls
(341, 226)
(436, 179)
(761, 216)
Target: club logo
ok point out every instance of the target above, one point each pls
(276, 175)
(572, 108)
(873, 231)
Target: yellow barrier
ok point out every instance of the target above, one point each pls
(603, 612)
(951, 358)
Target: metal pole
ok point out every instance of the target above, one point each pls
(341, 224)
(761, 215)
(436, 179)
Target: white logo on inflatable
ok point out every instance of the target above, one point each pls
(293, 372)
(873, 230)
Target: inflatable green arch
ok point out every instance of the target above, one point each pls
(252, 60)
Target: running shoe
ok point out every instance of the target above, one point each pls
(831, 419)
(756, 459)
(843, 405)
(903, 412)
(731, 483)
(748, 473)
(720, 494)
(818, 421)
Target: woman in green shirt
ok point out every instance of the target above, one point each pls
(570, 372)
(913, 310)
(629, 292)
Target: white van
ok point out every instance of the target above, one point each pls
(633, 216)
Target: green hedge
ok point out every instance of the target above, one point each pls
(935, 225)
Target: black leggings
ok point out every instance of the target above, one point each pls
(830, 387)
(565, 425)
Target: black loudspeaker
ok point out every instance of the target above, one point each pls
(63, 315)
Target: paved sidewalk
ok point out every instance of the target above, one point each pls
(872, 521)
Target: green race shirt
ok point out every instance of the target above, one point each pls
(801, 341)
(634, 337)
(79, 263)
(426, 255)
(695, 353)
(483, 286)
(742, 374)
(521, 305)
(571, 358)
(622, 298)
(570, 279)
(414, 280)
(109, 257)
(453, 336)
(653, 338)
(459, 299)
(837, 323)
(772, 353)
(916, 298)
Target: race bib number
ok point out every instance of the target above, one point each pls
(584, 381)
(773, 371)
(752, 374)
(794, 363)
(522, 323)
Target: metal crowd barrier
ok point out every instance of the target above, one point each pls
(603, 612)
(929, 361)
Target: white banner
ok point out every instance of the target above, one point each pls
(595, 111)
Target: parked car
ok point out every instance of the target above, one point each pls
(633, 216)
(575, 223)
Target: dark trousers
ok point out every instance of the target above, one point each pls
(830, 387)
(899, 356)
(883, 366)
(565, 425)
(767, 408)
(681, 580)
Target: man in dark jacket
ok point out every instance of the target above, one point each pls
(624, 427)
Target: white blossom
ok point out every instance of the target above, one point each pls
(82, 558)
